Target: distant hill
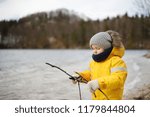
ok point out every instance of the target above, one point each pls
(67, 29)
(59, 14)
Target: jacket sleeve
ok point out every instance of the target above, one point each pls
(86, 74)
(117, 77)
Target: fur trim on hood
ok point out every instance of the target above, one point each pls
(116, 39)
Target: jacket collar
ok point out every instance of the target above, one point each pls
(117, 52)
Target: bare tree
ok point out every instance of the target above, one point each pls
(143, 6)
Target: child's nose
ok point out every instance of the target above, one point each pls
(94, 51)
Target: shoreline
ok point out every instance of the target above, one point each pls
(142, 93)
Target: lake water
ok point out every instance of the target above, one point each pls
(24, 74)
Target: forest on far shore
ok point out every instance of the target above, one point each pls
(65, 29)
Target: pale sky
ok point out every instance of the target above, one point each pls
(94, 9)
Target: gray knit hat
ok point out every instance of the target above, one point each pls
(102, 39)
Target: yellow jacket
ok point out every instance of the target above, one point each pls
(111, 75)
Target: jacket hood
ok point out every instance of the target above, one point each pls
(118, 47)
(117, 52)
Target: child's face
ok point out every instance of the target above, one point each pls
(96, 49)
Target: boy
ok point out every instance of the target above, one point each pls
(107, 71)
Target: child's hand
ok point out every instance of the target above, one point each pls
(76, 76)
(93, 85)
